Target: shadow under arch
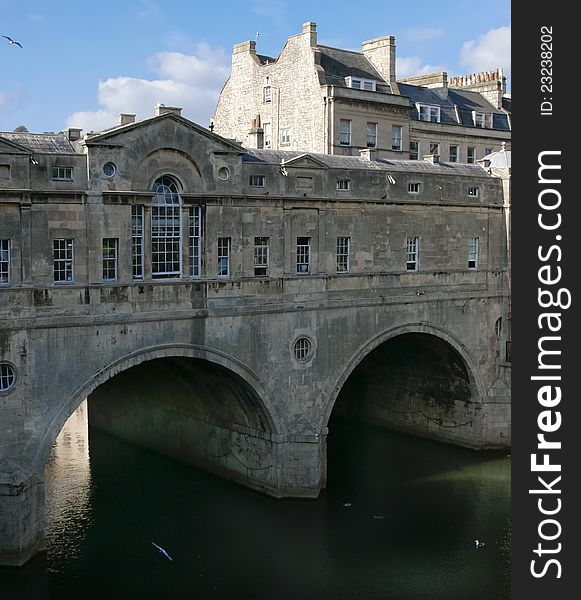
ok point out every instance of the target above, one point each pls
(475, 382)
(271, 415)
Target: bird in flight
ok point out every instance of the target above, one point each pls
(12, 42)
(162, 551)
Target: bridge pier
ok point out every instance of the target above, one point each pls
(22, 522)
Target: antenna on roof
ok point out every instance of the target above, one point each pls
(260, 34)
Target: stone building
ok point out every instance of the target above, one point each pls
(220, 304)
(332, 101)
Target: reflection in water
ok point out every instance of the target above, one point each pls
(68, 488)
(398, 521)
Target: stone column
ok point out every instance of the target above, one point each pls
(22, 521)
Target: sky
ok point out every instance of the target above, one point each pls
(84, 62)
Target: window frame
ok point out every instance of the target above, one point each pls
(67, 261)
(267, 94)
(370, 83)
(437, 145)
(397, 141)
(64, 176)
(454, 156)
(137, 242)
(109, 263)
(166, 216)
(474, 191)
(414, 187)
(261, 256)
(285, 136)
(471, 155)
(345, 141)
(226, 257)
(343, 184)
(417, 151)
(412, 253)
(257, 180)
(430, 108)
(304, 253)
(5, 261)
(195, 240)
(473, 251)
(372, 135)
(267, 134)
(483, 120)
(343, 255)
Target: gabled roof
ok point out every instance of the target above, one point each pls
(305, 160)
(42, 143)
(9, 147)
(108, 135)
(466, 102)
(339, 64)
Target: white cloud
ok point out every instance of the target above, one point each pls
(411, 66)
(491, 50)
(423, 34)
(190, 81)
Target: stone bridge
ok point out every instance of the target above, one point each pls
(241, 373)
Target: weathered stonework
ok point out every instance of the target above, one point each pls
(201, 366)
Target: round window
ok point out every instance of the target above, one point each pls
(223, 173)
(302, 349)
(7, 377)
(109, 169)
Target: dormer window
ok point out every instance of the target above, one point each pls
(428, 112)
(484, 120)
(357, 83)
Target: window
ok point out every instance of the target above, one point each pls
(474, 191)
(285, 138)
(109, 169)
(195, 240)
(4, 171)
(267, 93)
(63, 260)
(471, 155)
(303, 254)
(396, 133)
(434, 148)
(473, 253)
(357, 83)
(453, 154)
(345, 132)
(260, 256)
(414, 187)
(371, 135)
(343, 184)
(137, 241)
(4, 262)
(427, 112)
(257, 180)
(343, 247)
(484, 120)
(224, 245)
(166, 224)
(267, 135)
(62, 173)
(414, 150)
(302, 349)
(7, 377)
(412, 244)
(110, 246)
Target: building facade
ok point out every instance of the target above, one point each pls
(320, 99)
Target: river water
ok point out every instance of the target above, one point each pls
(397, 521)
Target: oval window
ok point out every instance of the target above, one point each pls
(109, 169)
(7, 377)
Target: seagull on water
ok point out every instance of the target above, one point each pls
(162, 551)
(479, 544)
(12, 42)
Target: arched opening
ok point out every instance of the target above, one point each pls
(166, 229)
(415, 383)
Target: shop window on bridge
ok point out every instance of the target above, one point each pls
(166, 229)
(195, 240)
(110, 253)
(261, 256)
(4, 262)
(63, 260)
(412, 250)
(137, 241)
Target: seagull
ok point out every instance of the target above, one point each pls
(162, 551)
(346, 504)
(479, 544)
(11, 42)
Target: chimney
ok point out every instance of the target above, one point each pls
(368, 153)
(433, 158)
(162, 109)
(73, 134)
(381, 53)
(126, 119)
(245, 48)
(490, 84)
(431, 80)
(310, 29)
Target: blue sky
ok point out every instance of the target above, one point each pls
(83, 62)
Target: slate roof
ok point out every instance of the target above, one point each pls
(465, 100)
(339, 64)
(43, 143)
(333, 161)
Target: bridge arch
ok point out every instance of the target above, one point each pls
(439, 337)
(270, 414)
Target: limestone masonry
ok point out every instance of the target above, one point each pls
(219, 303)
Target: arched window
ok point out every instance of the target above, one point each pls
(166, 225)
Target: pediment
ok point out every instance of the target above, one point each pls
(170, 123)
(304, 161)
(10, 147)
